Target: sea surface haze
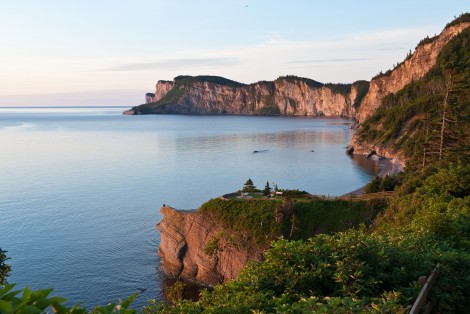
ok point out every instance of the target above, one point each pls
(81, 188)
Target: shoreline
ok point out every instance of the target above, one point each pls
(392, 168)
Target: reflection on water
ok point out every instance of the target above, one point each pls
(80, 189)
(371, 168)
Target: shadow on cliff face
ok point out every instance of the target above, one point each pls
(174, 289)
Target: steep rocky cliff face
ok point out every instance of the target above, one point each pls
(412, 69)
(184, 235)
(285, 96)
(149, 98)
(161, 89)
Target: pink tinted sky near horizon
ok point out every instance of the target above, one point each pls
(112, 52)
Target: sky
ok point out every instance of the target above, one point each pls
(102, 52)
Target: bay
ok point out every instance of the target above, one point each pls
(81, 188)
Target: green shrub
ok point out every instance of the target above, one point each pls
(4, 268)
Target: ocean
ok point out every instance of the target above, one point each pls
(81, 188)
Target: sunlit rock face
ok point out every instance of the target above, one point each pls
(412, 69)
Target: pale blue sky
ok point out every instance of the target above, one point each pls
(119, 48)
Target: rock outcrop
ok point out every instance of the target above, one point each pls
(184, 237)
(288, 95)
(415, 67)
(149, 97)
(412, 69)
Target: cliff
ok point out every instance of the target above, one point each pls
(412, 69)
(290, 95)
(184, 235)
(408, 124)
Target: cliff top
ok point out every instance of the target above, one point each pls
(187, 80)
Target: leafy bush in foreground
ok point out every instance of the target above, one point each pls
(4, 268)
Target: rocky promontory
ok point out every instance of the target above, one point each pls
(184, 235)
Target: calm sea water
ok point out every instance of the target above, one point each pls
(81, 188)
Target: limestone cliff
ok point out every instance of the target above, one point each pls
(287, 95)
(184, 235)
(412, 69)
(161, 89)
(290, 95)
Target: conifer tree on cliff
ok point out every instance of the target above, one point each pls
(249, 186)
(267, 189)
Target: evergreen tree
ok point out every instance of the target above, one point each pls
(267, 189)
(249, 186)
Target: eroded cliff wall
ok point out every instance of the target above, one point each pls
(285, 96)
(412, 69)
(184, 236)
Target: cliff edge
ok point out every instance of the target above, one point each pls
(184, 237)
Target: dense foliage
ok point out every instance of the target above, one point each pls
(188, 81)
(381, 184)
(328, 216)
(4, 267)
(369, 270)
(253, 222)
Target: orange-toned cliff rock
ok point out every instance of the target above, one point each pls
(288, 95)
(183, 237)
(412, 69)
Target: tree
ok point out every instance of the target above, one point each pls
(267, 189)
(249, 186)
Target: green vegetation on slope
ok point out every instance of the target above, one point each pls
(257, 222)
(170, 98)
(463, 18)
(250, 220)
(4, 267)
(411, 119)
(187, 81)
(368, 270)
(329, 216)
